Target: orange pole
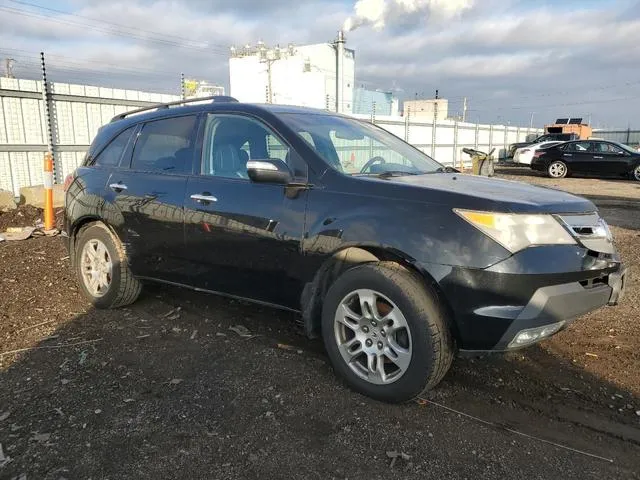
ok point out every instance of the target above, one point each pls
(49, 220)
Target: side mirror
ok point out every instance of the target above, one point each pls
(270, 170)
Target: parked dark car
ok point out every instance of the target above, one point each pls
(592, 157)
(395, 261)
(549, 137)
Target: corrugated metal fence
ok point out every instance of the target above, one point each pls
(76, 111)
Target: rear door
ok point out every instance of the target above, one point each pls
(244, 238)
(149, 194)
(578, 156)
(609, 159)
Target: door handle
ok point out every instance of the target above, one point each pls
(118, 187)
(568, 155)
(205, 197)
(600, 158)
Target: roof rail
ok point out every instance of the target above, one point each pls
(214, 98)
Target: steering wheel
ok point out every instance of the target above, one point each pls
(371, 163)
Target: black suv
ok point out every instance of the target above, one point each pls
(394, 260)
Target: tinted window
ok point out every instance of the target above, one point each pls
(165, 145)
(111, 155)
(602, 147)
(578, 147)
(231, 141)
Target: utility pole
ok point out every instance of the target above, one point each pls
(339, 47)
(531, 121)
(8, 67)
(269, 56)
(464, 109)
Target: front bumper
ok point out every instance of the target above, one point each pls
(537, 287)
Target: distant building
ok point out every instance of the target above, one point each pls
(426, 108)
(200, 88)
(301, 75)
(385, 102)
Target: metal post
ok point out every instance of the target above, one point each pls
(406, 125)
(464, 109)
(46, 100)
(182, 91)
(373, 113)
(455, 145)
(326, 104)
(490, 137)
(506, 137)
(340, 71)
(477, 135)
(433, 129)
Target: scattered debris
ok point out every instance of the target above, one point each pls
(139, 337)
(173, 314)
(82, 358)
(97, 411)
(17, 233)
(4, 415)
(3, 460)
(128, 400)
(591, 355)
(64, 381)
(35, 326)
(638, 413)
(193, 335)
(41, 437)
(52, 347)
(240, 330)
(176, 381)
(290, 348)
(220, 334)
(393, 455)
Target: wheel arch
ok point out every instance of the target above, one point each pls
(349, 257)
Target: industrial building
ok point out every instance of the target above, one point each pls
(427, 109)
(318, 76)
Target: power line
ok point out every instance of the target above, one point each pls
(211, 50)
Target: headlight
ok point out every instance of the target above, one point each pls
(516, 232)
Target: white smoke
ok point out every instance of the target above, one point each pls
(379, 13)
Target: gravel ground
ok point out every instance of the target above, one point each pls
(164, 389)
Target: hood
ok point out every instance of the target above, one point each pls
(491, 194)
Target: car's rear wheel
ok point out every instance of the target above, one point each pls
(635, 175)
(102, 268)
(557, 169)
(386, 332)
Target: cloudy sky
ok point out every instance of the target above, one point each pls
(511, 58)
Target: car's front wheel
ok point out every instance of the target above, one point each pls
(102, 268)
(385, 332)
(557, 169)
(635, 174)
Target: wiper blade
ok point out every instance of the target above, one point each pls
(396, 173)
(446, 170)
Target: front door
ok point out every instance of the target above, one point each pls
(609, 159)
(244, 238)
(579, 157)
(149, 196)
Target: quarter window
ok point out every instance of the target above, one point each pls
(111, 155)
(165, 145)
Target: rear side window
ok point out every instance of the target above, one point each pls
(166, 145)
(111, 155)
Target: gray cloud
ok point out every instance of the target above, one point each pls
(507, 57)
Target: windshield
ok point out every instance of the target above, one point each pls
(354, 147)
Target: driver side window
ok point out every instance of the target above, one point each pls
(232, 140)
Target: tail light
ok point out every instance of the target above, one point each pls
(68, 181)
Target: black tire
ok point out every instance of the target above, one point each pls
(124, 288)
(560, 165)
(635, 173)
(432, 343)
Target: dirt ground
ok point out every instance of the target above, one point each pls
(164, 388)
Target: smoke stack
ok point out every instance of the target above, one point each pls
(340, 71)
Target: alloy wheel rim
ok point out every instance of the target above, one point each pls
(557, 170)
(97, 268)
(636, 173)
(373, 337)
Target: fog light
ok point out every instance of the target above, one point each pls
(533, 335)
